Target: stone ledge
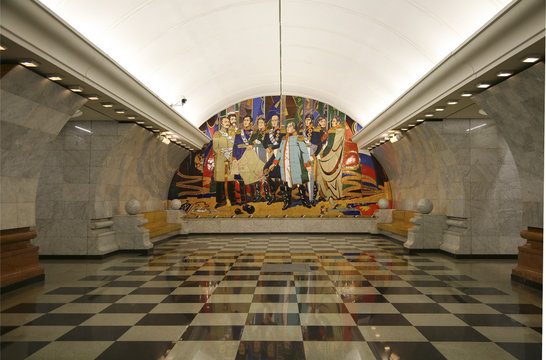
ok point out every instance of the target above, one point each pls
(284, 225)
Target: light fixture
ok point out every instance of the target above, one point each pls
(3, 48)
(140, 122)
(131, 117)
(411, 125)
(420, 120)
(119, 111)
(75, 88)
(148, 127)
(429, 115)
(31, 63)
(440, 108)
(83, 129)
(404, 129)
(107, 104)
(466, 94)
(452, 102)
(483, 85)
(54, 77)
(504, 73)
(93, 97)
(531, 59)
(155, 131)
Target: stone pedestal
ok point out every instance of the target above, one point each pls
(18, 258)
(426, 232)
(130, 234)
(529, 269)
(101, 238)
(457, 237)
(177, 217)
(383, 216)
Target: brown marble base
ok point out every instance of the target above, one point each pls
(18, 257)
(530, 256)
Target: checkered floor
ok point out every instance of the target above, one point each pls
(210, 297)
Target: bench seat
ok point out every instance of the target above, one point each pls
(400, 222)
(157, 223)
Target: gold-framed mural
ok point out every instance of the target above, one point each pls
(276, 156)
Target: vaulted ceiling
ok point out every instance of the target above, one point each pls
(358, 55)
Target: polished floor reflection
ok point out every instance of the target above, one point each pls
(274, 297)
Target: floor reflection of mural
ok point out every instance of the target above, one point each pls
(278, 157)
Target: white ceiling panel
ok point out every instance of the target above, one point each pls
(357, 55)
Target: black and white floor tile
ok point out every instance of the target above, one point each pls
(274, 297)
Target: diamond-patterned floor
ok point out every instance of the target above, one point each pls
(336, 297)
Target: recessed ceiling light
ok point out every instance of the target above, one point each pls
(483, 85)
(531, 59)
(440, 108)
(54, 77)
(452, 102)
(3, 48)
(420, 120)
(140, 122)
(148, 127)
(119, 111)
(429, 115)
(411, 125)
(155, 130)
(131, 117)
(504, 73)
(93, 97)
(75, 88)
(381, 141)
(466, 94)
(29, 63)
(107, 104)
(404, 129)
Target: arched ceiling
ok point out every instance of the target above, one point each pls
(358, 55)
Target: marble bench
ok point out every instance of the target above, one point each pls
(400, 223)
(158, 226)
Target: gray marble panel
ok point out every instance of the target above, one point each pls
(76, 175)
(75, 192)
(15, 109)
(8, 216)
(76, 158)
(26, 214)
(77, 141)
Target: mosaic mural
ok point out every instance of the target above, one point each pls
(276, 156)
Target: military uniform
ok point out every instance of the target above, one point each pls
(272, 142)
(222, 145)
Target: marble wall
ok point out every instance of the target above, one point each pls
(131, 164)
(90, 175)
(466, 168)
(517, 105)
(34, 110)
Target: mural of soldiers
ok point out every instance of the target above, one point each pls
(293, 160)
(330, 162)
(271, 143)
(246, 163)
(318, 141)
(233, 123)
(258, 138)
(307, 133)
(222, 145)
